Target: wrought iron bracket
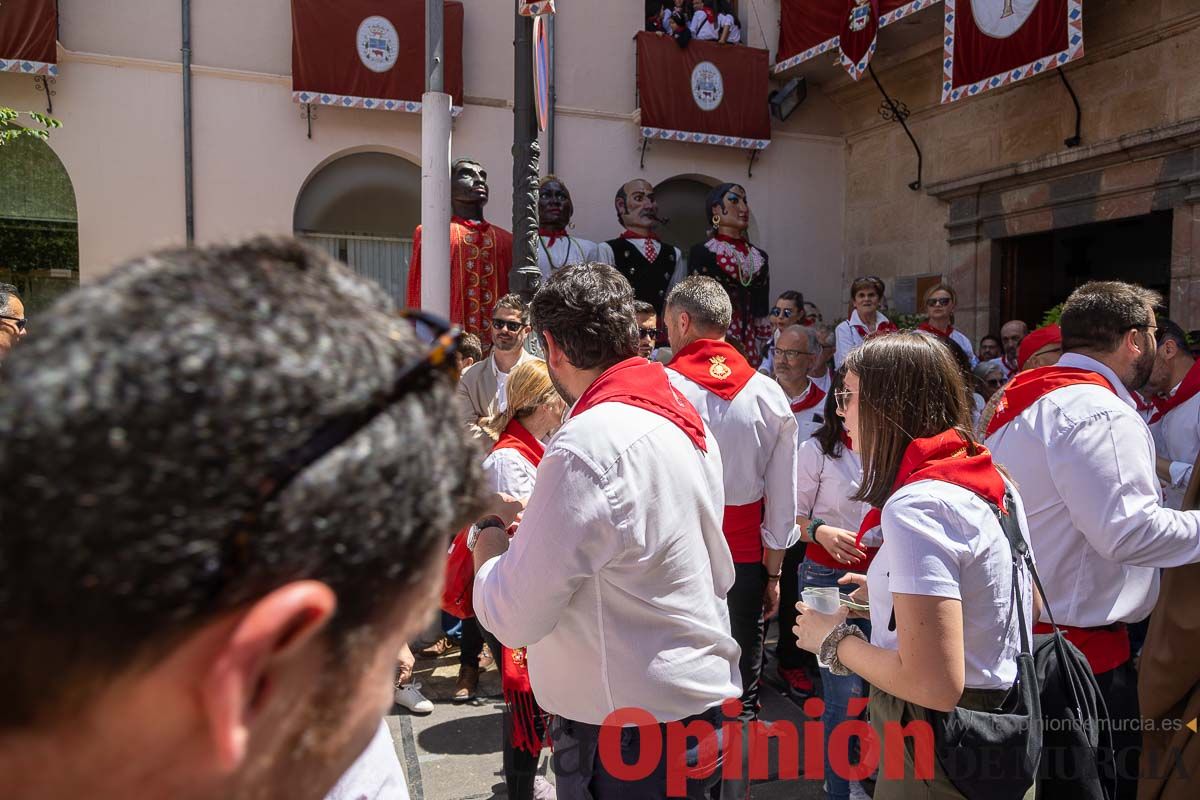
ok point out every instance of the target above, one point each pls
(896, 111)
(750, 169)
(308, 114)
(1077, 139)
(43, 83)
(645, 142)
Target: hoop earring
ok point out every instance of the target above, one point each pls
(716, 221)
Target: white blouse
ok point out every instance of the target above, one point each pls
(824, 486)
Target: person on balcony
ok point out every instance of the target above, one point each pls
(729, 30)
(704, 21)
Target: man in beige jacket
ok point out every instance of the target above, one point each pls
(481, 388)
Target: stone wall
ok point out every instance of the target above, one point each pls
(996, 165)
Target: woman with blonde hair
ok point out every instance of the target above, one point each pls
(940, 302)
(534, 412)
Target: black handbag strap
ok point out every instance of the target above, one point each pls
(1020, 555)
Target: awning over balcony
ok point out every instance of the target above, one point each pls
(369, 53)
(705, 93)
(28, 31)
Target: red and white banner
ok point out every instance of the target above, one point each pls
(705, 93)
(370, 53)
(28, 34)
(860, 31)
(992, 43)
(809, 28)
(535, 8)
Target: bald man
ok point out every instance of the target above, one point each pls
(651, 266)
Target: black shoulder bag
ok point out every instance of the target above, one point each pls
(994, 755)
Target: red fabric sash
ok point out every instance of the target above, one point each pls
(814, 396)
(715, 365)
(944, 458)
(514, 667)
(1188, 389)
(552, 235)
(1105, 648)
(517, 437)
(644, 384)
(925, 326)
(1028, 387)
(742, 526)
(881, 329)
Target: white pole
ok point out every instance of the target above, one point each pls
(435, 203)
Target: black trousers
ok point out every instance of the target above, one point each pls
(787, 652)
(745, 601)
(520, 766)
(1119, 688)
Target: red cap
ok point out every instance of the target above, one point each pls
(1036, 341)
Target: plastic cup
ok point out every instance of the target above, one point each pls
(824, 599)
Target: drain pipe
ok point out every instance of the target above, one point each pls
(188, 193)
(551, 35)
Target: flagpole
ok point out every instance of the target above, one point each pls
(525, 277)
(435, 169)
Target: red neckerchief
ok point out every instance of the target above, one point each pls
(739, 243)
(628, 234)
(517, 437)
(1188, 388)
(847, 442)
(644, 384)
(712, 16)
(552, 234)
(812, 397)
(480, 225)
(944, 458)
(925, 326)
(1030, 386)
(715, 365)
(887, 326)
(514, 666)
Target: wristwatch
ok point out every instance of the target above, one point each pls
(491, 521)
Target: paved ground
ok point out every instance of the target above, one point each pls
(454, 753)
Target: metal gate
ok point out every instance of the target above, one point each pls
(382, 259)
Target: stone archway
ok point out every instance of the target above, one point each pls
(39, 223)
(362, 208)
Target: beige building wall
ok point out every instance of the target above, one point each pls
(119, 96)
(996, 164)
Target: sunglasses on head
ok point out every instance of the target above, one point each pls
(511, 325)
(21, 321)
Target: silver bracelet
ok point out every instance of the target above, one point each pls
(827, 655)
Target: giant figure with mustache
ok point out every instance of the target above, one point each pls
(739, 266)
(480, 253)
(651, 266)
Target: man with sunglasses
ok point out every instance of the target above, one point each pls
(221, 522)
(788, 310)
(482, 387)
(12, 318)
(647, 322)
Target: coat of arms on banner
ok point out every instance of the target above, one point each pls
(708, 88)
(860, 15)
(378, 44)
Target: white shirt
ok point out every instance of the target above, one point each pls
(617, 577)
(941, 540)
(1084, 461)
(825, 485)
(757, 434)
(846, 338)
(508, 471)
(960, 339)
(565, 251)
(701, 28)
(808, 420)
(1177, 439)
(735, 32)
(376, 774)
(825, 381)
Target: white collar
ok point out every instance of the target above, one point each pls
(855, 319)
(1080, 361)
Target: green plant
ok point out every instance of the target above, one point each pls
(907, 322)
(11, 128)
(1052, 316)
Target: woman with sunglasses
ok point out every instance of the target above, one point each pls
(866, 297)
(828, 476)
(940, 301)
(533, 412)
(944, 630)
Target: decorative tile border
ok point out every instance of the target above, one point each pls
(28, 67)
(856, 70)
(535, 9)
(371, 103)
(830, 44)
(705, 138)
(1074, 50)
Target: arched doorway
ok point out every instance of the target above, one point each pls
(362, 209)
(681, 201)
(39, 226)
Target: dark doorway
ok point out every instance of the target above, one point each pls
(1038, 272)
